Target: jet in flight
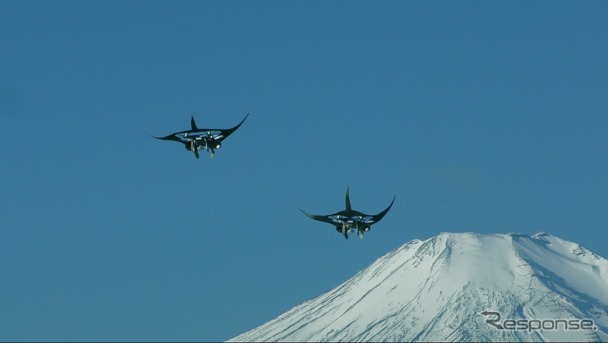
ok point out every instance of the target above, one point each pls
(196, 139)
(350, 220)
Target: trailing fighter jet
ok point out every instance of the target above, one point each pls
(196, 139)
(350, 220)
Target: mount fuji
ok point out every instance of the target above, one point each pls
(460, 287)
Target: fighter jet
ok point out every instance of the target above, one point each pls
(196, 139)
(350, 220)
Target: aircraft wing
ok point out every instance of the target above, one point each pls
(325, 219)
(172, 137)
(380, 215)
(228, 132)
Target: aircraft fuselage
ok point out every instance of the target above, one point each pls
(350, 220)
(197, 138)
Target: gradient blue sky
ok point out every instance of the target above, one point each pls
(479, 116)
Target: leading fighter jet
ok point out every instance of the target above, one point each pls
(350, 220)
(197, 139)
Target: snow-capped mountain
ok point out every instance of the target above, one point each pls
(460, 287)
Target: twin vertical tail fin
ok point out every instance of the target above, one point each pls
(193, 124)
(348, 207)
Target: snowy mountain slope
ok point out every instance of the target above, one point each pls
(437, 289)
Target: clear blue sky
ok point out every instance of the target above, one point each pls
(479, 116)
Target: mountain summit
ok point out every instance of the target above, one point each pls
(460, 287)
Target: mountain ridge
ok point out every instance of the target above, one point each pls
(437, 289)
